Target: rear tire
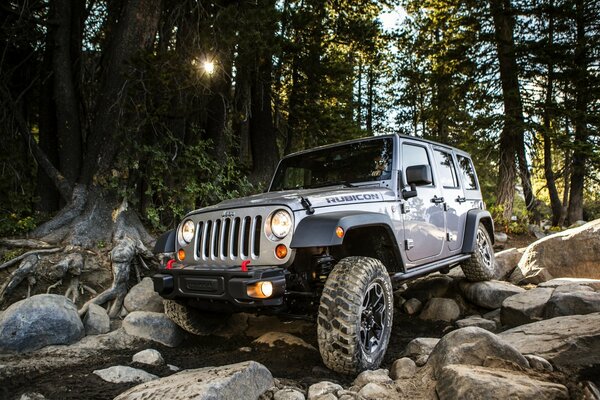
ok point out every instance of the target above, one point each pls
(480, 267)
(355, 315)
(193, 320)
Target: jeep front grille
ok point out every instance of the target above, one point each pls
(229, 238)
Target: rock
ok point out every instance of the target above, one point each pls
(398, 301)
(321, 388)
(377, 376)
(590, 390)
(489, 294)
(153, 326)
(472, 346)
(506, 262)
(421, 360)
(173, 368)
(500, 237)
(403, 368)
(32, 396)
(474, 382)
(538, 363)
(558, 282)
(378, 391)
(347, 395)
(429, 287)
(564, 341)
(440, 309)
(571, 303)
(39, 321)
(525, 307)
(537, 231)
(493, 315)
(272, 338)
(142, 297)
(122, 374)
(412, 306)
(328, 396)
(572, 253)
(575, 287)
(577, 224)
(288, 394)
(478, 322)
(245, 380)
(96, 320)
(420, 346)
(148, 356)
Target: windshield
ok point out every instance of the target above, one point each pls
(366, 161)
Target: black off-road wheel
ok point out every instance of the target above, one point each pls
(355, 315)
(480, 267)
(193, 320)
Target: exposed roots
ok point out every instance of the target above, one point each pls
(26, 270)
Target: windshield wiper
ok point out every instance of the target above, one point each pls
(334, 183)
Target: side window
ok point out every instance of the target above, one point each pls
(414, 155)
(446, 169)
(468, 172)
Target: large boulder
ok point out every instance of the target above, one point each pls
(570, 303)
(525, 307)
(246, 380)
(153, 326)
(571, 253)
(39, 321)
(571, 340)
(142, 297)
(489, 294)
(475, 382)
(420, 347)
(473, 346)
(506, 262)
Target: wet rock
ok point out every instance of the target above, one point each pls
(572, 253)
(288, 394)
(525, 307)
(420, 347)
(153, 326)
(489, 294)
(412, 306)
(39, 321)
(322, 388)
(571, 303)
(539, 363)
(403, 368)
(506, 262)
(122, 374)
(148, 356)
(272, 338)
(378, 391)
(96, 320)
(475, 382)
(564, 341)
(478, 322)
(472, 346)
(377, 376)
(440, 309)
(246, 380)
(142, 297)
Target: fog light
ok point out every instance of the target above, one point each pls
(281, 251)
(260, 290)
(181, 255)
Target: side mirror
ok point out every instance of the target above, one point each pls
(416, 175)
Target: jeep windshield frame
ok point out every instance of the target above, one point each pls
(348, 164)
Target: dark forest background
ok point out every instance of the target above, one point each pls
(173, 105)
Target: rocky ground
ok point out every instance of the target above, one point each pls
(537, 337)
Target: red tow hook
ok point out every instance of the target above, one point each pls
(245, 265)
(170, 263)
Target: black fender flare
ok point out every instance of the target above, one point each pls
(474, 217)
(320, 230)
(165, 243)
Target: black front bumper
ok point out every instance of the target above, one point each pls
(208, 285)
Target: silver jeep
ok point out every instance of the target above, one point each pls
(337, 228)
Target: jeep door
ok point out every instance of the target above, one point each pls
(423, 217)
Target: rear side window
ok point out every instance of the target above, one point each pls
(468, 172)
(446, 169)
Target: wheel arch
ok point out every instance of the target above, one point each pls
(474, 218)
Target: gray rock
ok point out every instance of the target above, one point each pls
(379, 391)
(412, 306)
(571, 303)
(493, 315)
(429, 287)
(506, 262)
(475, 382)
(377, 376)
(577, 224)
(246, 380)
(272, 338)
(572, 253)
(348, 395)
(575, 287)
(322, 388)
(32, 396)
(489, 294)
(558, 282)
(153, 326)
(327, 396)
(403, 368)
(173, 368)
(288, 394)
(39, 321)
(525, 307)
(149, 356)
(122, 374)
(420, 347)
(477, 321)
(440, 309)
(564, 341)
(142, 297)
(96, 320)
(539, 363)
(421, 360)
(500, 237)
(472, 346)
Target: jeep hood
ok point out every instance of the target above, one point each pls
(320, 197)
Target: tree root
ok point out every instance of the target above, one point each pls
(27, 270)
(25, 243)
(29, 253)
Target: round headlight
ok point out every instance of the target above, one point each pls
(186, 234)
(281, 223)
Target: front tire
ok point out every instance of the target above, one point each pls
(480, 267)
(192, 320)
(355, 315)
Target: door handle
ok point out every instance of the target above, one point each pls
(437, 200)
(461, 199)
